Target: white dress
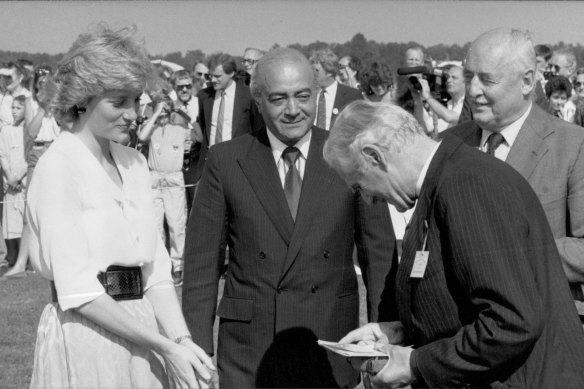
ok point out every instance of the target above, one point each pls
(81, 223)
(13, 164)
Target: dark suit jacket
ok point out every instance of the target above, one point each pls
(287, 283)
(246, 118)
(549, 154)
(493, 307)
(344, 96)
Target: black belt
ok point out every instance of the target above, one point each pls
(122, 283)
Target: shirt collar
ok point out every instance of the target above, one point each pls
(278, 146)
(510, 131)
(331, 90)
(230, 90)
(424, 171)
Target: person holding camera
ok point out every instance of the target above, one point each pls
(166, 144)
(445, 116)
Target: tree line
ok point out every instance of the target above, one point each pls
(368, 51)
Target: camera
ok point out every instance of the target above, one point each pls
(436, 78)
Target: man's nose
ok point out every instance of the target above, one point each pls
(292, 107)
(473, 86)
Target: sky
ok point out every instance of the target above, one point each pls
(231, 26)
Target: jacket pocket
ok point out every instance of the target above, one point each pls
(233, 308)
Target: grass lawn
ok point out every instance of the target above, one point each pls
(21, 304)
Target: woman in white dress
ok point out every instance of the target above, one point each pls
(14, 172)
(94, 235)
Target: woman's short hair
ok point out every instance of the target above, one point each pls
(558, 84)
(376, 74)
(99, 61)
(385, 124)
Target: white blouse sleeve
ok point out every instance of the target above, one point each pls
(56, 219)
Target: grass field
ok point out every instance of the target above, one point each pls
(21, 304)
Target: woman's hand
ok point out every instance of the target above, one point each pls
(188, 366)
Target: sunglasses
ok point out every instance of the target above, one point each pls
(185, 86)
(248, 61)
(199, 74)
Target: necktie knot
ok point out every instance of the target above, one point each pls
(290, 155)
(494, 141)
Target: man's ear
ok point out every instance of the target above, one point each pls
(528, 82)
(373, 156)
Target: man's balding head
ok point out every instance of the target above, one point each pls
(284, 87)
(500, 73)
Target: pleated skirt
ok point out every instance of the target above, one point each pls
(73, 352)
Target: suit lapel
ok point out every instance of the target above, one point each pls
(338, 104)
(529, 146)
(236, 127)
(314, 189)
(208, 111)
(260, 170)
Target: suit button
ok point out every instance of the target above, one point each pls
(279, 289)
(314, 288)
(326, 254)
(262, 255)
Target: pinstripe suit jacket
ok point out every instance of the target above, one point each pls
(549, 154)
(493, 307)
(287, 283)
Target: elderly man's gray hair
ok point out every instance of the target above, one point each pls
(364, 122)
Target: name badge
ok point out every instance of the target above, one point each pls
(420, 263)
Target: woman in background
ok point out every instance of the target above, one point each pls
(14, 175)
(94, 235)
(40, 130)
(377, 82)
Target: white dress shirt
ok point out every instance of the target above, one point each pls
(509, 134)
(330, 95)
(227, 132)
(278, 148)
(451, 105)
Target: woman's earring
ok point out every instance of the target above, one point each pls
(80, 109)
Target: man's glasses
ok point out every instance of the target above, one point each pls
(185, 86)
(247, 61)
(577, 83)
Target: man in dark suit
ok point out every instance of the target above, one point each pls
(332, 97)
(226, 109)
(291, 225)
(479, 292)
(547, 151)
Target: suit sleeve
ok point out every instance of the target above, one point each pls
(376, 247)
(204, 255)
(571, 247)
(486, 258)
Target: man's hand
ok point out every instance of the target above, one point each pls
(425, 89)
(379, 333)
(397, 372)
